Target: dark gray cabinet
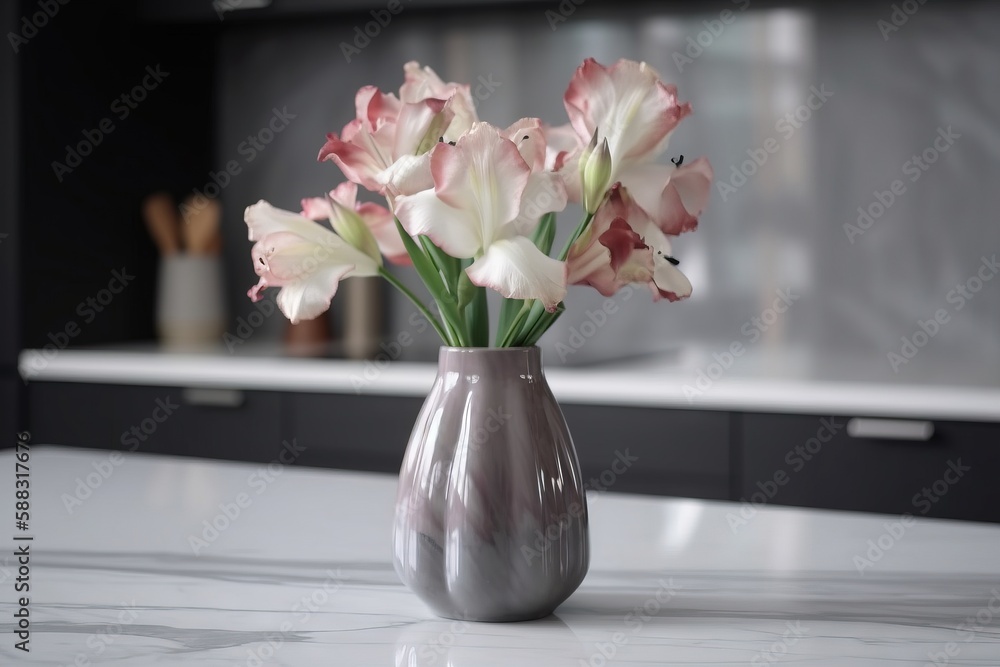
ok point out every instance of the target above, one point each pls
(813, 461)
(668, 452)
(220, 423)
(779, 459)
(354, 432)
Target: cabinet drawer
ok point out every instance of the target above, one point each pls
(891, 466)
(351, 432)
(226, 424)
(676, 452)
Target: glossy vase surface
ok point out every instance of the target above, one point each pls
(491, 513)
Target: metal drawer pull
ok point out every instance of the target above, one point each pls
(216, 398)
(890, 429)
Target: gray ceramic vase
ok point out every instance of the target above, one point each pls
(491, 514)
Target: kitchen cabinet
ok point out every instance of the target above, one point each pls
(924, 467)
(649, 450)
(940, 469)
(351, 432)
(214, 423)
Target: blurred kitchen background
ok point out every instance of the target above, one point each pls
(807, 255)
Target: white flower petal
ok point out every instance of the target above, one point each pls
(308, 299)
(645, 183)
(518, 270)
(453, 230)
(544, 193)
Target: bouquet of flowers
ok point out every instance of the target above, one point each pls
(472, 206)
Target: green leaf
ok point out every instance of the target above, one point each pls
(528, 325)
(543, 325)
(509, 309)
(434, 282)
(477, 317)
(545, 233)
(448, 266)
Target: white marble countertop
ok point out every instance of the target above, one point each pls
(299, 574)
(666, 383)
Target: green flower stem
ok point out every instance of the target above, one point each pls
(514, 329)
(436, 286)
(576, 234)
(395, 282)
(538, 320)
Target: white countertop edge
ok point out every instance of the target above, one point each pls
(604, 386)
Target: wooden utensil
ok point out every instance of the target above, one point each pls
(200, 225)
(159, 213)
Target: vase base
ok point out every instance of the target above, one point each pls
(503, 618)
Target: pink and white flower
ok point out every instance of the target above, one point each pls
(342, 209)
(302, 257)
(635, 112)
(385, 148)
(624, 245)
(485, 202)
(422, 83)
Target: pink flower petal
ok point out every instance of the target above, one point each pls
(358, 164)
(383, 225)
(316, 208)
(621, 242)
(529, 138)
(685, 197)
(423, 82)
(627, 104)
(483, 173)
(416, 122)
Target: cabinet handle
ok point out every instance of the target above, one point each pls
(890, 429)
(216, 398)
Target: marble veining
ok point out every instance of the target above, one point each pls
(304, 576)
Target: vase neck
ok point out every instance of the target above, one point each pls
(489, 362)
